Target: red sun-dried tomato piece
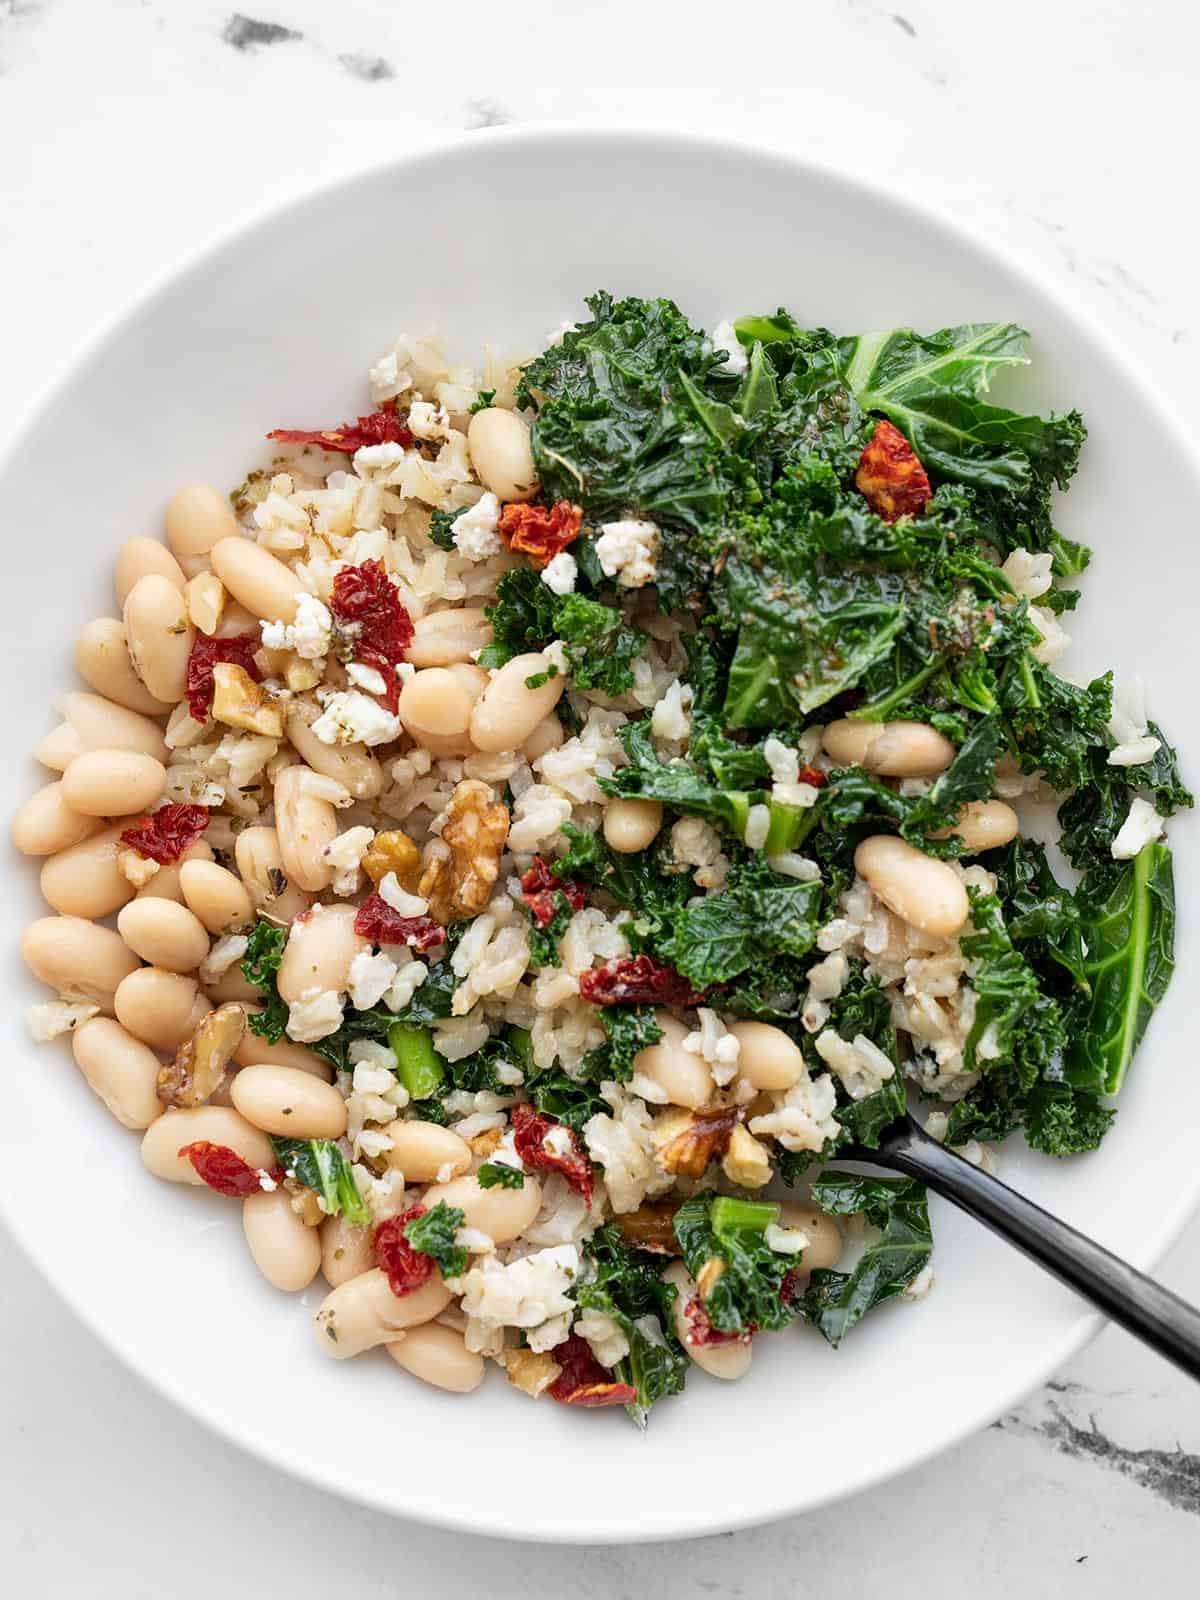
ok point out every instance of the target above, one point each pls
(540, 532)
(407, 1269)
(367, 604)
(540, 890)
(814, 776)
(529, 1140)
(381, 427)
(165, 834)
(222, 1168)
(205, 655)
(382, 923)
(701, 1331)
(638, 980)
(791, 1285)
(583, 1381)
(890, 476)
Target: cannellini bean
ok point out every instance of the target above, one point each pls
(435, 707)
(289, 1103)
(236, 620)
(767, 1057)
(890, 749)
(46, 824)
(84, 880)
(120, 1069)
(439, 1356)
(425, 1152)
(548, 735)
(255, 1051)
(441, 638)
(93, 723)
(508, 711)
(113, 783)
(285, 1250)
(320, 949)
(260, 862)
(255, 579)
(984, 825)
(198, 517)
(926, 893)
(160, 1008)
(160, 637)
(725, 1361)
(352, 765)
(363, 1312)
(79, 959)
(501, 453)
(305, 826)
(165, 883)
(164, 934)
(683, 1078)
(103, 661)
(215, 1124)
(232, 986)
(215, 895)
(347, 1251)
(824, 1245)
(631, 825)
(141, 557)
(503, 1214)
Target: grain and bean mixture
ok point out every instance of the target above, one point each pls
(520, 830)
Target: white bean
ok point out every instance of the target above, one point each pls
(198, 517)
(438, 1355)
(548, 735)
(216, 896)
(103, 661)
(256, 579)
(84, 880)
(305, 826)
(425, 1152)
(824, 1245)
(120, 1069)
(285, 1250)
(202, 1124)
(93, 723)
(232, 986)
(725, 1361)
(165, 883)
(631, 825)
(160, 637)
(890, 749)
(113, 783)
(924, 892)
(683, 1078)
(508, 710)
(503, 1214)
(260, 862)
(352, 765)
(164, 934)
(289, 1103)
(435, 707)
(441, 638)
(46, 824)
(767, 1057)
(363, 1312)
(255, 1051)
(319, 952)
(347, 1251)
(79, 959)
(138, 558)
(984, 825)
(160, 1008)
(501, 453)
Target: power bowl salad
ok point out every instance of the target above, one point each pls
(518, 839)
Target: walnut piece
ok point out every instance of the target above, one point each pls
(531, 1371)
(198, 1069)
(484, 1143)
(304, 1203)
(241, 703)
(686, 1141)
(746, 1162)
(393, 851)
(650, 1227)
(476, 827)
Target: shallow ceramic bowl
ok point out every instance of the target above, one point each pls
(497, 238)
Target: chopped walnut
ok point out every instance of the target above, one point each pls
(686, 1141)
(304, 1203)
(476, 827)
(205, 596)
(531, 1371)
(746, 1162)
(198, 1069)
(242, 703)
(393, 851)
(484, 1143)
(650, 1227)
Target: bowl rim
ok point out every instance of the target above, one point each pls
(937, 219)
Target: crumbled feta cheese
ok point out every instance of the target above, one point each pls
(225, 951)
(345, 855)
(861, 1065)
(387, 378)
(802, 1118)
(381, 458)
(53, 1017)
(474, 1240)
(370, 978)
(758, 823)
(628, 551)
(1141, 827)
(714, 1043)
(784, 1241)
(558, 1141)
(476, 530)
(136, 868)
(351, 717)
(559, 575)
(314, 1016)
(401, 902)
(427, 421)
(724, 337)
(606, 1337)
(308, 635)
(368, 678)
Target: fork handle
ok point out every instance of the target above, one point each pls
(1155, 1315)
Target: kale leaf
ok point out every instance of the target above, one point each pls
(625, 1286)
(264, 952)
(747, 1294)
(321, 1167)
(498, 1175)
(835, 1301)
(758, 915)
(433, 1234)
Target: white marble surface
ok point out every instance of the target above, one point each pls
(133, 131)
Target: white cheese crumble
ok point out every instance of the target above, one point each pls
(54, 1017)
(560, 574)
(308, 635)
(724, 337)
(136, 868)
(369, 979)
(628, 551)
(427, 421)
(476, 530)
(368, 678)
(606, 1337)
(351, 717)
(225, 951)
(314, 1016)
(714, 1043)
(345, 856)
(1141, 827)
(861, 1065)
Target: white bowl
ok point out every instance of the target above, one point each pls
(496, 238)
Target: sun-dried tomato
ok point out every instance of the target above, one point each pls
(381, 427)
(529, 1140)
(583, 1381)
(813, 776)
(222, 1168)
(890, 475)
(791, 1285)
(540, 890)
(165, 834)
(367, 603)
(205, 654)
(540, 532)
(700, 1329)
(635, 981)
(382, 923)
(407, 1269)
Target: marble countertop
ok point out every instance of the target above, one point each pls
(136, 130)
